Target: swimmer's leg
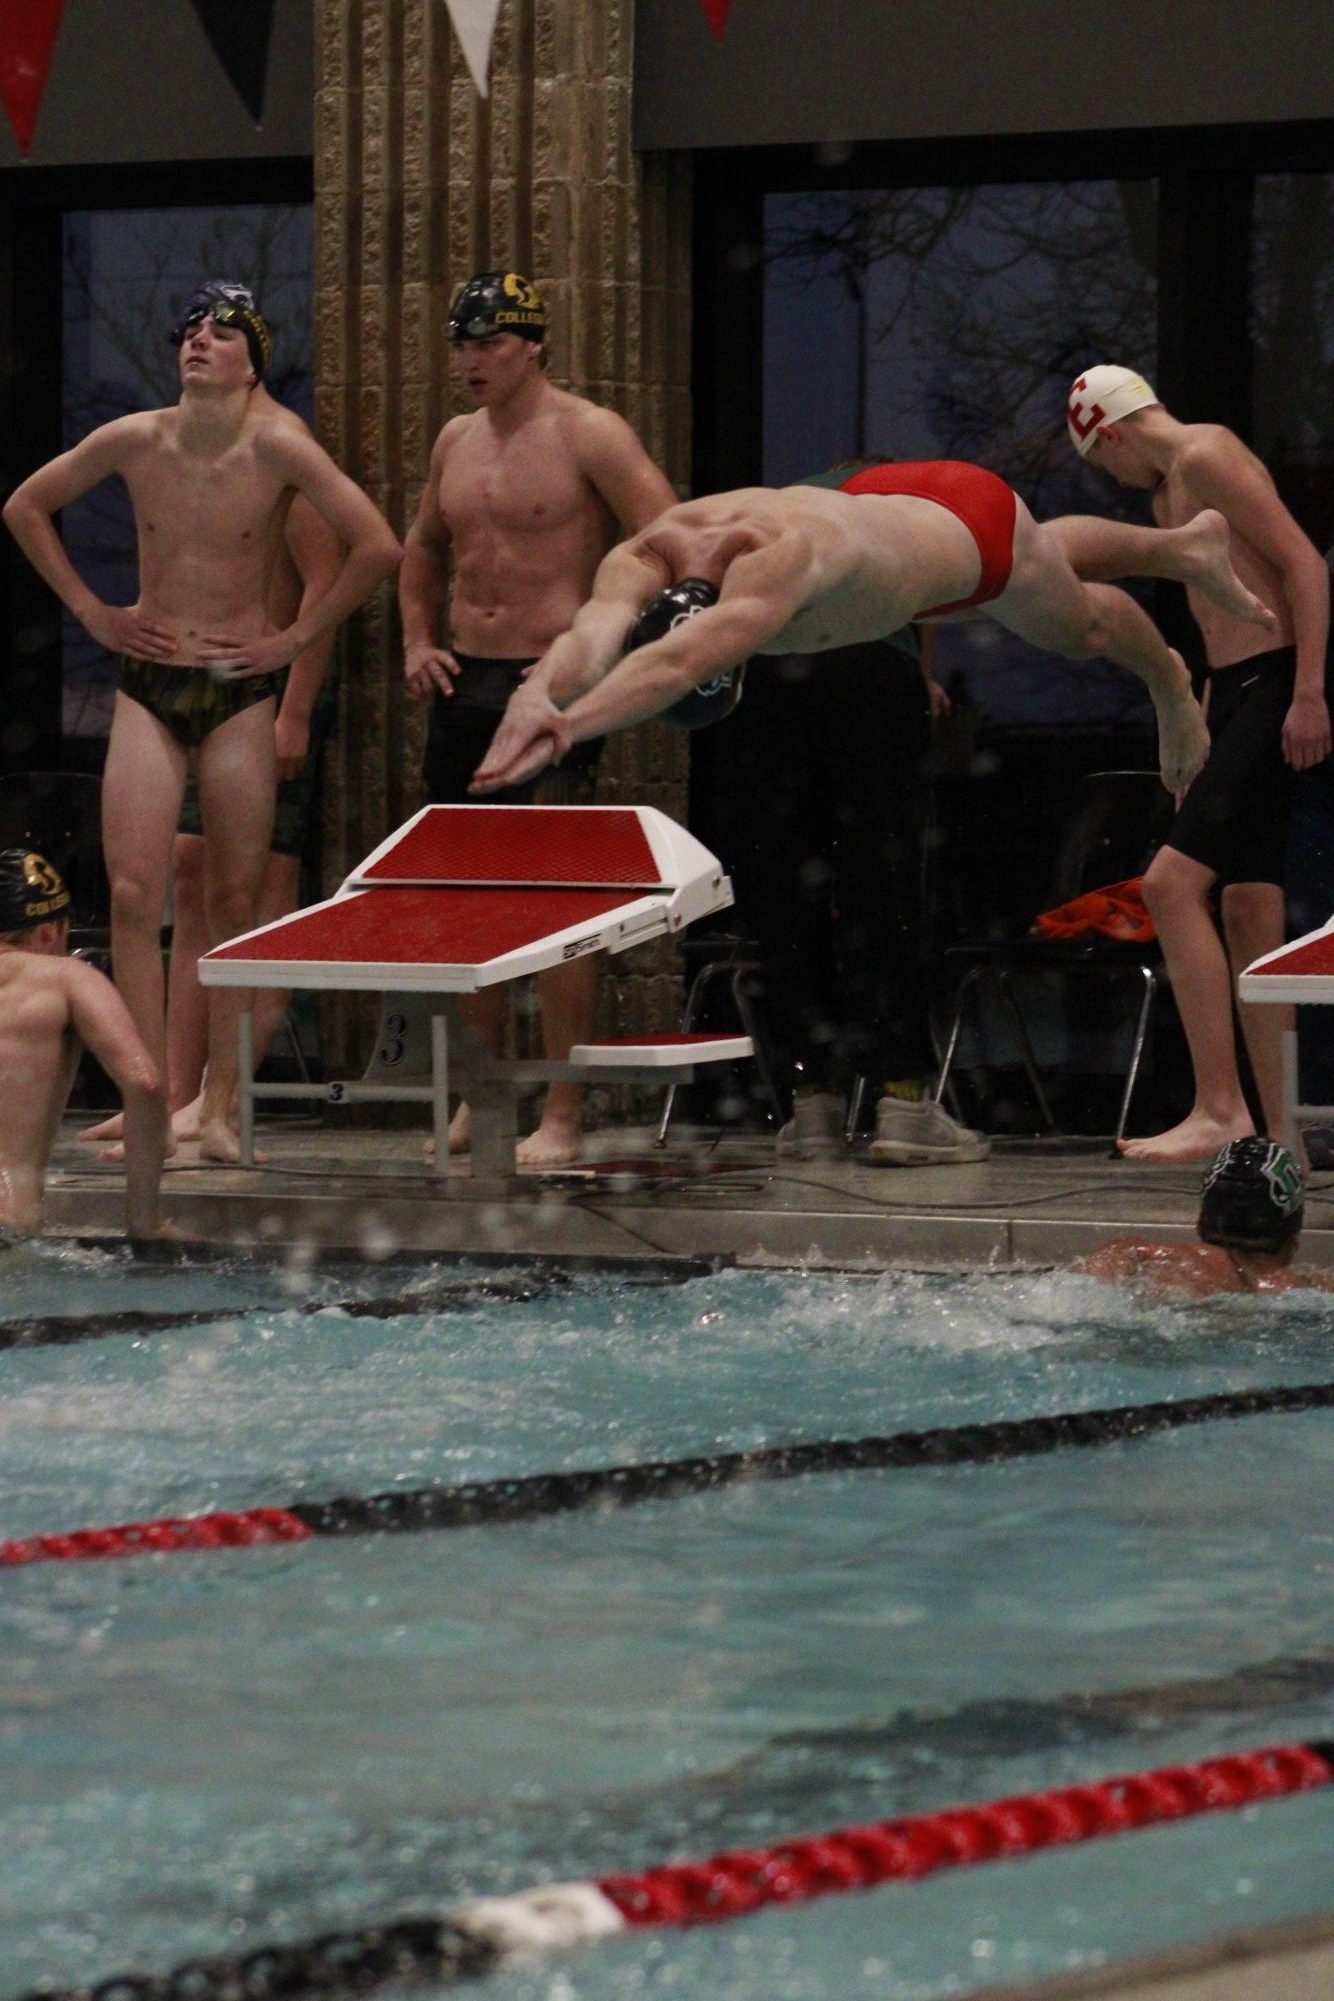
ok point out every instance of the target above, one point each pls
(1176, 894)
(142, 787)
(1196, 554)
(1045, 603)
(1254, 923)
(237, 782)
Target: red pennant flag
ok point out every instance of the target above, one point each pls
(27, 43)
(716, 13)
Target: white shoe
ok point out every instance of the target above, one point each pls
(922, 1134)
(815, 1130)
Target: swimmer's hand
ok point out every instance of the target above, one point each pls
(244, 659)
(125, 629)
(1306, 737)
(426, 668)
(291, 742)
(532, 734)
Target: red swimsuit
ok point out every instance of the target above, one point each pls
(984, 504)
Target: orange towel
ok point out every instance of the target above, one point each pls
(1115, 911)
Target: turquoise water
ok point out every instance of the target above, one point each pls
(204, 1753)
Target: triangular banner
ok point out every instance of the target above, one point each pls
(475, 25)
(27, 43)
(239, 32)
(716, 13)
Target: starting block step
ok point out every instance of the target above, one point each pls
(662, 1052)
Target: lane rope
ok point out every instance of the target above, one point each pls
(451, 1296)
(477, 1937)
(476, 1503)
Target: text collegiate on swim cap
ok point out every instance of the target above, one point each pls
(31, 890)
(231, 305)
(1102, 396)
(498, 302)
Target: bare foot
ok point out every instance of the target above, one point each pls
(185, 1121)
(554, 1144)
(1183, 735)
(1196, 1138)
(112, 1128)
(184, 1124)
(460, 1138)
(117, 1152)
(218, 1141)
(1207, 566)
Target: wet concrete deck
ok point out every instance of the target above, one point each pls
(354, 1188)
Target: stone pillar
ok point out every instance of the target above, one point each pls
(418, 182)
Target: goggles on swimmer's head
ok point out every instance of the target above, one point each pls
(498, 302)
(230, 305)
(31, 890)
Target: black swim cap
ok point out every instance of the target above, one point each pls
(1252, 1196)
(498, 302)
(712, 700)
(31, 891)
(231, 305)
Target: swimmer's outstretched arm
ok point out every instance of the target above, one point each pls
(760, 593)
(531, 732)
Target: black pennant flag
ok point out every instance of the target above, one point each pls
(239, 31)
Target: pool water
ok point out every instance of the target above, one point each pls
(208, 1752)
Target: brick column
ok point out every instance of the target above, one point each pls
(418, 182)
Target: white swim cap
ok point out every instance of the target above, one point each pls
(1103, 395)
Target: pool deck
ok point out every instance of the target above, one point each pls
(334, 1186)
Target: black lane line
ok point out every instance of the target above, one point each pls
(536, 1495)
(454, 1296)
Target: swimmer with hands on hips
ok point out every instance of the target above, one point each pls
(49, 1005)
(801, 570)
(210, 481)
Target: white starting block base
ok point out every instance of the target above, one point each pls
(464, 897)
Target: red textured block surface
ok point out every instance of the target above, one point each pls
(1313, 957)
(529, 844)
(424, 927)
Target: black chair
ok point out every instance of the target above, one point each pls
(724, 958)
(59, 814)
(1113, 833)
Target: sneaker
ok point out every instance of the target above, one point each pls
(922, 1134)
(815, 1130)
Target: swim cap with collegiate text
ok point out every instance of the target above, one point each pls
(1252, 1197)
(1102, 396)
(498, 302)
(31, 890)
(231, 305)
(712, 700)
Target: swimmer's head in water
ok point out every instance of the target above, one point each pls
(1103, 396)
(1252, 1197)
(711, 700)
(495, 302)
(31, 891)
(230, 305)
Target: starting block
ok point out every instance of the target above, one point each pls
(465, 897)
(1301, 974)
